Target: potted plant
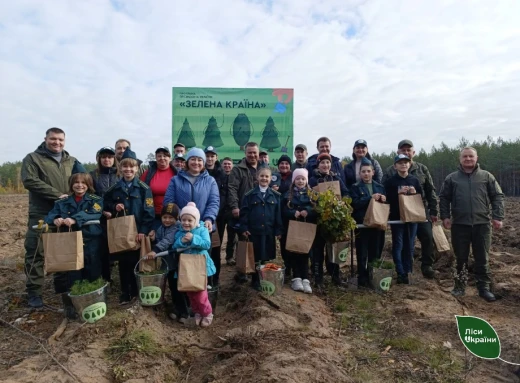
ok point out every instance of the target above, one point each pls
(89, 299)
(380, 273)
(151, 284)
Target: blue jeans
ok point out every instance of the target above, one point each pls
(403, 236)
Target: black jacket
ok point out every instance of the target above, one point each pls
(104, 180)
(350, 171)
(392, 196)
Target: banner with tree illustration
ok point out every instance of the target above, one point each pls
(228, 118)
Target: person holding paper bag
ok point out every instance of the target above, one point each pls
(72, 212)
(130, 196)
(402, 234)
(367, 240)
(194, 236)
(261, 220)
(298, 205)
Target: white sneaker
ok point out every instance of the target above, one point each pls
(198, 318)
(307, 286)
(206, 321)
(296, 284)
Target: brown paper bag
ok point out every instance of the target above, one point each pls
(324, 186)
(122, 233)
(411, 208)
(245, 257)
(215, 239)
(377, 215)
(300, 237)
(63, 251)
(439, 237)
(150, 265)
(192, 274)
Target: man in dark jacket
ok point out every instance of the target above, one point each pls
(324, 146)
(241, 180)
(466, 196)
(429, 196)
(300, 153)
(227, 166)
(45, 174)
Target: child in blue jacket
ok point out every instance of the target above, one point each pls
(367, 240)
(261, 220)
(194, 237)
(131, 197)
(73, 211)
(298, 205)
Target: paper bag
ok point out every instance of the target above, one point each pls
(324, 186)
(215, 239)
(245, 257)
(150, 265)
(411, 208)
(300, 237)
(63, 251)
(377, 215)
(122, 233)
(192, 273)
(441, 242)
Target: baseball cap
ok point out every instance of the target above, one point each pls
(360, 142)
(210, 149)
(179, 144)
(404, 142)
(301, 147)
(179, 156)
(401, 157)
(262, 151)
(163, 149)
(106, 149)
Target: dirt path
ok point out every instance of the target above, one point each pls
(408, 334)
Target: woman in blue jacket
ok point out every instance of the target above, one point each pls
(367, 240)
(73, 211)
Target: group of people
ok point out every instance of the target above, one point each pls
(181, 202)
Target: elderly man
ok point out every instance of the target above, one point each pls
(45, 174)
(466, 197)
(324, 146)
(424, 230)
(242, 179)
(300, 153)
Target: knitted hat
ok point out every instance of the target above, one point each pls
(196, 152)
(286, 158)
(171, 209)
(300, 172)
(129, 153)
(324, 156)
(191, 209)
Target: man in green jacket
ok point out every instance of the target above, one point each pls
(45, 174)
(429, 197)
(241, 180)
(466, 196)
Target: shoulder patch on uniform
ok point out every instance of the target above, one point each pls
(94, 196)
(276, 192)
(149, 202)
(96, 207)
(249, 192)
(141, 183)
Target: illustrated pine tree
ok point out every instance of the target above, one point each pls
(212, 134)
(270, 134)
(186, 136)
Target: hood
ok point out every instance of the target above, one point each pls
(42, 151)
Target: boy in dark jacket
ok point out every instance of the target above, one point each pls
(403, 235)
(261, 220)
(133, 197)
(367, 240)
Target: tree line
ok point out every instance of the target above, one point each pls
(500, 157)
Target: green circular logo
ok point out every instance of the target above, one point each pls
(267, 287)
(385, 283)
(94, 312)
(343, 255)
(150, 295)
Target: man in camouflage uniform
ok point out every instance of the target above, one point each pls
(466, 197)
(45, 174)
(424, 230)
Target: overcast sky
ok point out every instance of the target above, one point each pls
(430, 71)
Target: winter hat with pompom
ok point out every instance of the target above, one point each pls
(192, 210)
(300, 172)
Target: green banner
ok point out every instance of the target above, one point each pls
(228, 118)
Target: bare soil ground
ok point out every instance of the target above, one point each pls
(406, 335)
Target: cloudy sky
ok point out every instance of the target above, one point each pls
(381, 70)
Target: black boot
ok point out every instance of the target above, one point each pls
(68, 308)
(255, 282)
(487, 295)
